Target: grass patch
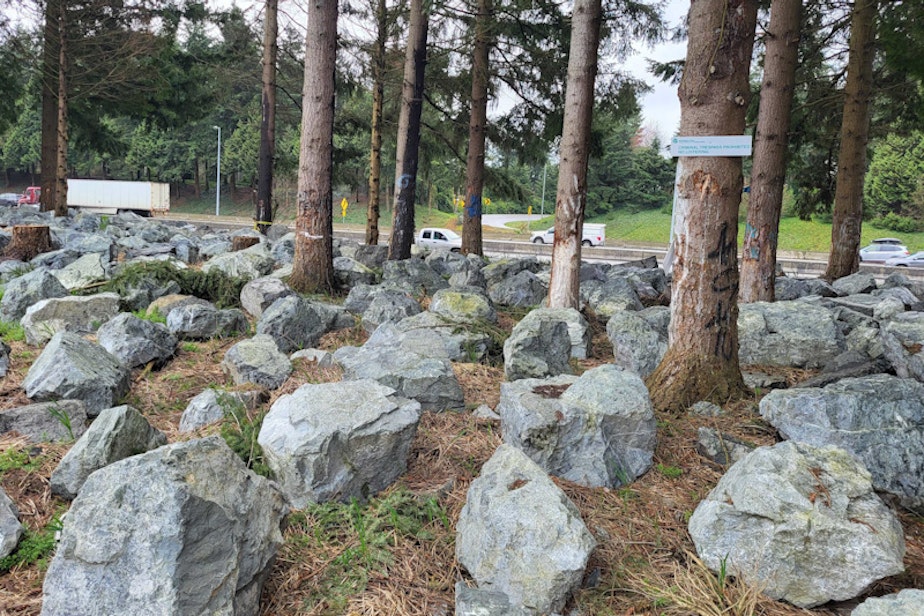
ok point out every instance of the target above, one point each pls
(34, 548)
(18, 459)
(240, 430)
(153, 315)
(12, 332)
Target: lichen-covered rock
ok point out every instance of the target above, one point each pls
(137, 342)
(182, 529)
(249, 263)
(802, 522)
(518, 534)
(338, 441)
(294, 323)
(523, 289)
(78, 314)
(202, 321)
(412, 276)
(463, 306)
(73, 368)
(797, 334)
(538, 346)
(117, 433)
(389, 306)
(257, 360)
(86, 270)
(350, 272)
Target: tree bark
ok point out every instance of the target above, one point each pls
(313, 266)
(415, 61)
(847, 216)
(571, 196)
(28, 241)
(477, 125)
(49, 81)
(242, 242)
(758, 262)
(60, 198)
(263, 214)
(701, 362)
(378, 100)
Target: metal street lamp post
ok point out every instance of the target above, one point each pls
(218, 175)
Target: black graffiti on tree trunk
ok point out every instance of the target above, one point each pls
(724, 283)
(721, 322)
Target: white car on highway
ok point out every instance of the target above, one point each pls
(439, 238)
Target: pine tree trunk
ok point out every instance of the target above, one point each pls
(49, 79)
(758, 262)
(28, 241)
(477, 125)
(571, 197)
(62, 134)
(263, 213)
(847, 216)
(197, 187)
(702, 358)
(378, 99)
(242, 242)
(415, 61)
(313, 266)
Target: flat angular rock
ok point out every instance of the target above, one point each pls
(338, 441)
(523, 289)
(855, 284)
(260, 293)
(424, 375)
(389, 306)
(182, 529)
(597, 430)
(77, 314)
(463, 306)
(165, 304)
(249, 263)
(137, 342)
(197, 321)
(638, 342)
(502, 269)
(117, 433)
(20, 293)
(796, 334)
(477, 602)
(73, 368)
(413, 276)
(294, 323)
(350, 272)
(879, 419)
(46, 421)
(802, 522)
(11, 530)
(470, 342)
(908, 602)
(793, 288)
(213, 405)
(721, 448)
(903, 344)
(519, 535)
(324, 359)
(86, 270)
(257, 360)
(539, 346)
(606, 297)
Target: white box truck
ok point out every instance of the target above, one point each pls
(113, 196)
(594, 235)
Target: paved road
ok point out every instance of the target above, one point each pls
(500, 220)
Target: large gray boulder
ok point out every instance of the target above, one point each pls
(117, 433)
(502, 269)
(639, 338)
(258, 361)
(797, 334)
(420, 373)
(260, 293)
(538, 346)
(86, 270)
(182, 529)
(479, 602)
(903, 344)
(294, 323)
(249, 263)
(350, 272)
(802, 522)
(855, 284)
(523, 290)
(412, 276)
(597, 430)
(61, 420)
(389, 306)
(518, 534)
(213, 405)
(786, 288)
(73, 368)
(338, 441)
(461, 305)
(23, 291)
(463, 342)
(907, 602)
(879, 419)
(82, 315)
(137, 342)
(199, 321)
(606, 297)
(11, 529)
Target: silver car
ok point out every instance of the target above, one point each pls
(915, 260)
(883, 249)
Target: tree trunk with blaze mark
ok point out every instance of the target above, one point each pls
(847, 216)
(701, 362)
(758, 262)
(406, 157)
(571, 196)
(477, 126)
(313, 266)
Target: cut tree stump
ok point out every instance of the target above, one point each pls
(28, 242)
(243, 241)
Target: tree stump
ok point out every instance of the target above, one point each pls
(243, 241)
(28, 242)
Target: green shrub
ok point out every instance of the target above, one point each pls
(215, 286)
(895, 222)
(240, 432)
(12, 332)
(34, 548)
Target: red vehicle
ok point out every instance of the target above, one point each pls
(31, 196)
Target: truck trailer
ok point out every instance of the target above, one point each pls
(111, 196)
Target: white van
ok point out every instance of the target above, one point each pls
(594, 235)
